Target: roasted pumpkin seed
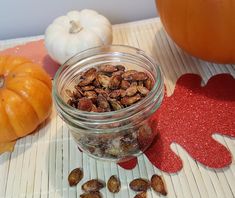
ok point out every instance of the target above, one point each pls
(103, 80)
(125, 84)
(139, 184)
(108, 68)
(142, 90)
(141, 195)
(114, 184)
(130, 100)
(131, 91)
(92, 185)
(75, 176)
(158, 185)
(115, 82)
(91, 195)
(85, 104)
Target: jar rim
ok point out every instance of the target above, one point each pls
(71, 110)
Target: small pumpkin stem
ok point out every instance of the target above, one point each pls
(75, 27)
(2, 80)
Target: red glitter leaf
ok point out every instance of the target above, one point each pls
(189, 118)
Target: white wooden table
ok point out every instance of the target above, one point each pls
(41, 162)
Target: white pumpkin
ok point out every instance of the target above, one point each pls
(75, 32)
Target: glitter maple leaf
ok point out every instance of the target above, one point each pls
(189, 118)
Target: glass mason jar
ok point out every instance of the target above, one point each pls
(116, 135)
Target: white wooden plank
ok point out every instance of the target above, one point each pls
(18, 176)
(143, 172)
(107, 174)
(74, 163)
(52, 158)
(40, 159)
(31, 168)
(45, 166)
(25, 168)
(58, 163)
(4, 170)
(181, 177)
(214, 179)
(188, 174)
(79, 164)
(65, 172)
(11, 173)
(221, 173)
(208, 183)
(101, 174)
(123, 178)
(198, 177)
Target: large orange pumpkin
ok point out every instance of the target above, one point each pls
(25, 97)
(203, 28)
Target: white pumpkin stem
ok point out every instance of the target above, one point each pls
(75, 27)
(2, 80)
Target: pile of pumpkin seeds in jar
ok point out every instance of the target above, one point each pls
(109, 88)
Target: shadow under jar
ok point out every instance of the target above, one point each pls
(115, 135)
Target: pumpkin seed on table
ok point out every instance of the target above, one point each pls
(158, 185)
(139, 184)
(114, 184)
(92, 185)
(141, 195)
(75, 176)
(91, 195)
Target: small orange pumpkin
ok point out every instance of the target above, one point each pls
(205, 29)
(25, 97)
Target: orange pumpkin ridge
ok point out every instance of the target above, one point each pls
(25, 97)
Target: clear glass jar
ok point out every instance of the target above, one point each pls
(116, 135)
